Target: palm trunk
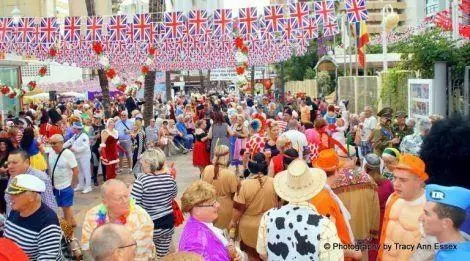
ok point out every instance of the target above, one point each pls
(149, 93)
(252, 80)
(168, 86)
(90, 6)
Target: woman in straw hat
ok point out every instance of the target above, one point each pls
(255, 196)
(297, 230)
(199, 235)
(225, 183)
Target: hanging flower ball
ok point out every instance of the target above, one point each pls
(122, 87)
(32, 85)
(238, 42)
(152, 50)
(43, 71)
(110, 73)
(244, 49)
(12, 95)
(53, 52)
(145, 69)
(5, 89)
(240, 70)
(97, 48)
(267, 84)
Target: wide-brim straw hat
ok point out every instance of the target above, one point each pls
(299, 183)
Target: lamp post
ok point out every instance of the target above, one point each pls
(389, 21)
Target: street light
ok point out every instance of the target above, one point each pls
(389, 22)
(16, 14)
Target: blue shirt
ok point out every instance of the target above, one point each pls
(121, 128)
(181, 128)
(461, 252)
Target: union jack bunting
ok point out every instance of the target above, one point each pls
(311, 30)
(197, 22)
(330, 28)
(25, 30)
(289, 31)
(222, 22)
(142, 27)
(72, 29)
(154, 33)
(324, 11)
(174, 24)
(117, 28)
(356, 10)
(300, 12)
(7, 28)
(247, 19)
(94, 28)
(273, 18)
(48, 30)
(129, 33)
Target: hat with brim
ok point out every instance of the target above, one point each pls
(299, 183)
(25, 182)
(386, 112)
(328, 160)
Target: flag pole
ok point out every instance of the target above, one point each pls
(356, 38)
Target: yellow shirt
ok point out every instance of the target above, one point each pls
(138, 223)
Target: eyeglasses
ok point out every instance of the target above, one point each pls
(55, 142)
(126, 246)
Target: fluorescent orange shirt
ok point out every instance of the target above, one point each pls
(328, 207)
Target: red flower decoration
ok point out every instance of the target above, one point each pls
(145, 69)
(43, 71)
(238, 42)
(110, 73)
(53, 52)
(244, 49)
(97, 48)
(267, 84)
(32, 85)
(12, 95)
(152, 50)
(240, 70)
(5, 90)
(122, 87)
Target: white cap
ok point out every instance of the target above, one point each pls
(25, 182)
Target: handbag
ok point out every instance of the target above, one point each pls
(177, 213)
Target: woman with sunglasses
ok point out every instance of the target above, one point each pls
(199, 234)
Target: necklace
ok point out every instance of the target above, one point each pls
(103, 211)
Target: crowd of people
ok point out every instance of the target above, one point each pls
(305, 180)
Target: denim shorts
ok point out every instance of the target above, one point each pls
(64, 197)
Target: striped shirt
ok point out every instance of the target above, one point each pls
(39, 234)
(154, 193)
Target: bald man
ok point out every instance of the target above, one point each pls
(63, 168)
(112, 242)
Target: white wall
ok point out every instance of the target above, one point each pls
(59, 73)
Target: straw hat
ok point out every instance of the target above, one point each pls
(299, 183)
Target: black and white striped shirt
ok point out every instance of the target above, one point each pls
(154, 193)
(39, 234)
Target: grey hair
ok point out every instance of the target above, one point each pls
(155, 158)
(104, 240)
(424, 125)
(109, 183)
(292, 125)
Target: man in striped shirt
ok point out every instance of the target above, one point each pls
(32, 225)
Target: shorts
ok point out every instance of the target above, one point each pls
(64, 197)
(127, 146)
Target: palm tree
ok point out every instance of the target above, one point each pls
(90, 6)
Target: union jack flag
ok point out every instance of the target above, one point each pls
(356, 10)
(154, 33)
(289, 31)
(324, 11)
(197, 22)
(117, 28)
(7, 28)
(273, 18)
(142, 27)
(129, 33)
(72, 29)
(25, 30)
(331, 27)
(174, 24)
(94, 28)
(48, 30)
(222, 22)
(247, 19)
(311, 30)
(300, 12)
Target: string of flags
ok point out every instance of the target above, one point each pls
(198, 39)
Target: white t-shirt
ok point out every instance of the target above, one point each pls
(63, 172)
(369, 125)
(298, 140)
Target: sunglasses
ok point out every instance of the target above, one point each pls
(208, 206)
(126, 246)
